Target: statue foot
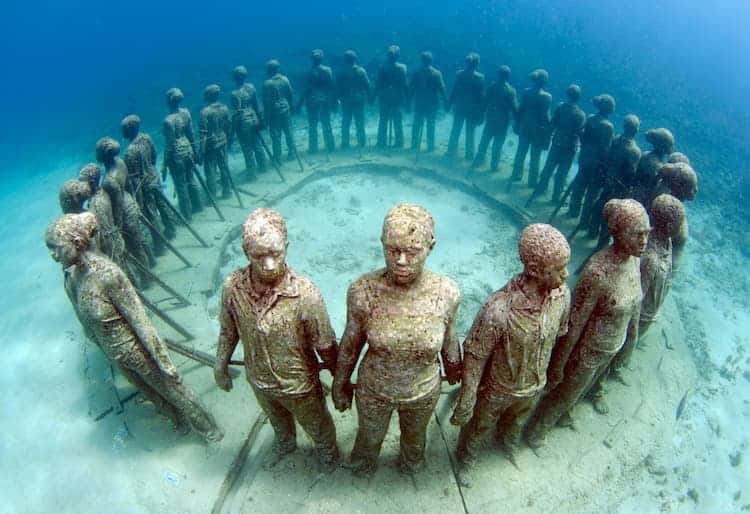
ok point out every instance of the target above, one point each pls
(409, 469)
(464, 475)
(616, 374)
(600, 405)
(536, 441)
(565, 421)
(214, 435)
(363, 468)
(328, 461)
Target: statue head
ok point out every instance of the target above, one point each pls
(350, 57)
(472, 60)
(573, 93)
(539, 77)
(317, 56)
(174, 97)
(680, 178)
(630, 125)
(408, 237)
(272, 67)
(503, 73)
(91, 174)
(72, 195)
(107, 149)
(393, 53)
(264, 241)
(426, 58)
(668, 215)
(239, 73)
(211, 93)
(628, 223)
(605, 104)
(661, 139)
(675, 157)
(130, 126)
(545, 254)
(68, 237)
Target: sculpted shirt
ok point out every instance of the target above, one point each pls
(515, 336)
(279, 331)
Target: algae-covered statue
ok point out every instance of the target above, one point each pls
(181, 154)
(246, 123)
(680, 180)
(277, 109)
(427, 88)
(501, 106)
(392, 92)
(604, 317)
(282, 321)
(467, 100)
(406, 315)
(353, 87)
(215, 131)
(319, 97)
(73, 194)
(532, 126)
(508, 348)
(646, 177)
(113, 317)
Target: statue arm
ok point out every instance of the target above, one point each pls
(352, 342)
(228, 339)
(319, 333)
(203, 132)
(678, 245)
(451, 351)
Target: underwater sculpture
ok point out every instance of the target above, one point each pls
(277, 109)
(427, 89)
(73, 194)
(532, 126)
(113, 317)
(283, 323)
(596, 142)
(568, 120)
(392, 92)
(215, 132)
(467, 101)
(508, 348)
(246, 122)
(500, 106)
(353, 88)
(646, 176)
(680, 180)
(181, 154)
(406, 314)
(319, 97)
(604, 318)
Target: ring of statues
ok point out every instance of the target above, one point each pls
(534, 350)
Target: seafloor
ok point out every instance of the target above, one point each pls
(76, 439)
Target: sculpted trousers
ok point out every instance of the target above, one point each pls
(188, 194)
(390, 113)
(216, 158)
(423, 117)
(559, 158)
(525, 144)
(356, 111)
(319, 113)
(586, 188)
(252, 150)
(278, 125)
(495, 132)
(458, 122)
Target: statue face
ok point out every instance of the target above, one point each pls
(633, 239)
(63, 251)
(267, 256)
(405, 254)
(552, 275)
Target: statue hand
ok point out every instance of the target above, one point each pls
(342, 397)
(223, 380)
(554, 377)
(460, 416)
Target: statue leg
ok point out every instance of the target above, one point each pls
(413, 420)
(312, 128)
(246, 144)
(165, 213)
(430, 121)
(580, 183)
(373, 416)
(469, 143)
(359, 120)
(416, 128)
(383, 115)
(512, 422)
(193, 189)
(458, 122)
(498, 142)
(282, 421)
(398, 126)
(274, 128)
(209, 170)
(291, 149)
(518, 162)
(534, 160)
(553, 160)
(346, 122)
(221, 157)
(565, 161)
(486, 413)
(161, 405)
(312, 414)
(260, 156)
(484, 143)
(179, 178)
(325, 123)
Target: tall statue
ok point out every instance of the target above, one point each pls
(277, 109)
(467, 100)
(181, 154)
(246, 123)
(508, 348)
(215, 130)
(532, 126)
(406, 315)
(501, 107)
(392, 91)
(113, 317)
(568, 121)
(603, 318)
(646, 176)
(282, 321)
(320, 99)
(353, 87)
(73, 194)
(427, 89)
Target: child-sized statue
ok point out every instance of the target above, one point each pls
(392, 92)
(353, 86)
(428, 90)
(532, 126)
(277, 109)
(113, 317)
(604, 317)
(508, 348)
(406, 315)
(246, 122)
(501, 106)
(215, 129)
(467, 100)
(320, 100)
(282, 321)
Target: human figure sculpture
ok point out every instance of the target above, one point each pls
(181, 154)
(406, 314)
(532, 126)
(604, 317)
(319, 97)
(73, 194)
(277, 109)
(145, 185)
(215, 131)
(353, 87)
(680, 180)
(508, 348)
(427, 89)
(646, 176)
(467, 101)
(676, 157)
(596, 142)
(501, 107)
(392, 92)
(247, 122)
(113, 317)
(282, 321)
(568, 121)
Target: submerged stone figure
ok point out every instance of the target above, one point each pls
(113, 317)
(604, 317)
(353, 87)
(680, 180)
(406, 314)
(277, 109)
(282, 321)
(181, 154)
(215, 130)
(467, 100)
(662, 142)
(73, 194)
(246, 123)
(568, 121)
(392, 91)
(320, 99)
(532, 126)
(427, 89)
(501, 107)
(508, 348)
